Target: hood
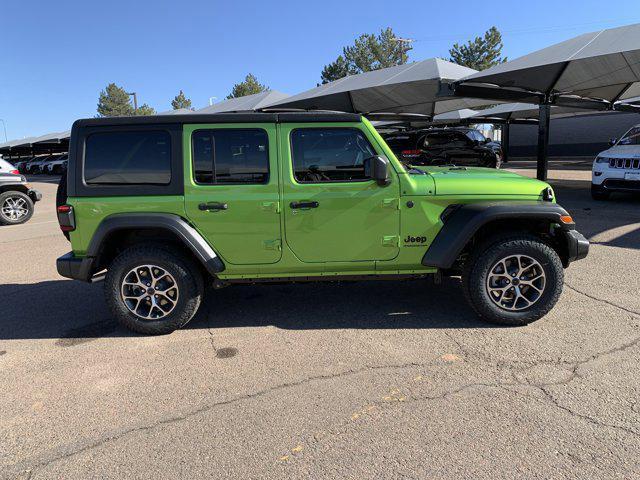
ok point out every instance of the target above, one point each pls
(622, 151)
(482, 181)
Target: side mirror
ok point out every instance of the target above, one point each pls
(377, 168)
(612, 142)
(487, 140)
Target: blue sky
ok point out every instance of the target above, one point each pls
(57, 56)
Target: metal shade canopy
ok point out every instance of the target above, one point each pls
(456, 116)
(602, 67)
(410, 88)
(514, 112)
(595, 71)
(247, 103)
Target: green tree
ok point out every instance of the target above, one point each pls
(180, 101)
(145, 109)
(368, 52)
(114, 102)
(249, 86)
(480, 53)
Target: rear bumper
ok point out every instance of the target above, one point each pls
(577, 245)
(76, 268)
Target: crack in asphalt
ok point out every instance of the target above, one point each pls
(602, 300)
(573, 374)
(178, 418)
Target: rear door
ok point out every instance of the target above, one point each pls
(333, 211)
(231, 190)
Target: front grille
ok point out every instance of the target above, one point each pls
(629, 163)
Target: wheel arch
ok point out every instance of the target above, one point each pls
(120, 231)
(466, 225)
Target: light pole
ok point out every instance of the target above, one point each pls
(4, 125)
(135, 101)
(211, 99)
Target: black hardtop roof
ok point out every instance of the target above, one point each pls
(242, 117)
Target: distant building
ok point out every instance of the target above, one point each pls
(582, 136)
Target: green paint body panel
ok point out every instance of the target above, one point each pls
(359, 228)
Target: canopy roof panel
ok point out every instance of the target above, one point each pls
(410, 88)
(247, 103)
(603, 65)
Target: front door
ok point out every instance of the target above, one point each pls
(231, 190)
(333, 212)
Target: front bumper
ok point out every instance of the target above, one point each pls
(34, 195)
(76, 268)
(577, 245)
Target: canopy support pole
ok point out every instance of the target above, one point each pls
(505, 142)
(544, 117)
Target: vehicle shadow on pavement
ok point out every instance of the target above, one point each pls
(74, 312)
(614, 222)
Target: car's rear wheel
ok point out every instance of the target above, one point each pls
(15, 208)
(513, 280)
(152, 290)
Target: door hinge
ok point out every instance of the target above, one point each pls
(392, 203)
(271, 244)
(271, 207)
(390, 240)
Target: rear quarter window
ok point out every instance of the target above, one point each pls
(128, 158)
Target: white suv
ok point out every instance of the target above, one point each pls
(618, 168)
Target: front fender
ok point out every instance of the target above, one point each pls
(461, 225)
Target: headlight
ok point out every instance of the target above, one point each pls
(602, 159)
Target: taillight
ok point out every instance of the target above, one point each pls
(66, 218)
(411, 153)
(15, 172)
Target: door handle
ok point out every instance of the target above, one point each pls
(296, 205)
(213, 206)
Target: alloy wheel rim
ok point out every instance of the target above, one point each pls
(149, 292)
(516, 282)
(14, 208)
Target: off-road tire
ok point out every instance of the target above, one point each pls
(188, 279)
(23, 197)
(479, 265)
(598, 193)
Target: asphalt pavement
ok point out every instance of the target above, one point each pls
(363, 380)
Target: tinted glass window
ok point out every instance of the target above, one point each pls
(230, 156)
(476, 135)
(632, 137)
(128, 158)
(329, 154)
(440, 138)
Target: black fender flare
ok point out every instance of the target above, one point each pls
(83, 268)
(461, 222)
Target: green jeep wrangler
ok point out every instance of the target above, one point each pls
(162, 206)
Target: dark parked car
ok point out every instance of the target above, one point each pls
(445, 146)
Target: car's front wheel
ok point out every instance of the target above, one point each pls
(513, 280)
(152, 290)
(599, 193)
(15, 208)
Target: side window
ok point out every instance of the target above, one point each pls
(230, 156)
(128, 158)
(329, 154)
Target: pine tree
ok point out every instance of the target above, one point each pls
(180, 101)
(368, 52)
(114, 102)
(249, 86)
(480, 53)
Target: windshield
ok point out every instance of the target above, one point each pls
(632, 137)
